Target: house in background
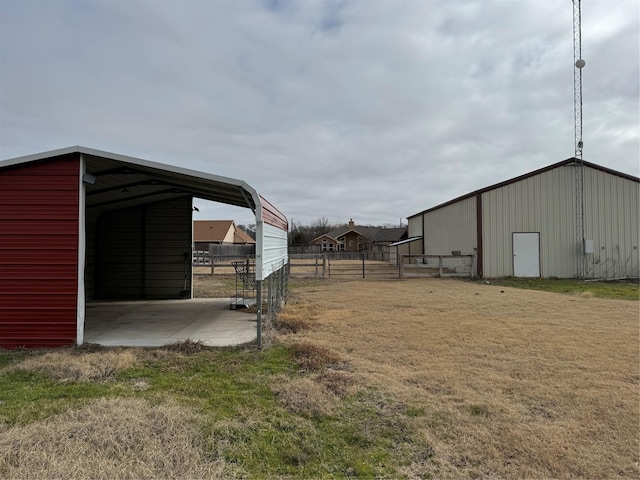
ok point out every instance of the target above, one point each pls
(528, 226)
(218, 232)
(358, 238)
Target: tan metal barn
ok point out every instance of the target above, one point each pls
(526, 226)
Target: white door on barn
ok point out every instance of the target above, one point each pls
(526, 254)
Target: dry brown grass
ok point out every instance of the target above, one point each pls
(506, 383)
(186, 346)
(294, 318)
(313, 358)
(70, 366)
(110, 439)
(304, 395)
(315, 394)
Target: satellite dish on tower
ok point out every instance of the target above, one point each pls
(580, 63)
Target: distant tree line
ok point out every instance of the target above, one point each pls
(249, 229)
(300, 234)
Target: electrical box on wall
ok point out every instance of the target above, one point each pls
(589, 246)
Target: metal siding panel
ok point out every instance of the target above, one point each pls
(275, 253)
(542, 203)
(140, 252)
(38, 253)
(272, 216)
(415, 226)
(452, 227)
(167, 240)
(611, 212)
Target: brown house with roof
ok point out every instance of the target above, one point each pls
(218, 232)
(358, 238)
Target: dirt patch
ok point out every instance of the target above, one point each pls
(110, 438)
(504, 382)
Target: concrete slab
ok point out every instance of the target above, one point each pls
(156, 323)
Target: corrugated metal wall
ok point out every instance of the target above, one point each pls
(415, 226)
(542, 203)
(452, 227)
(611, 220)
(140, 252)
(91, 218)
(39, 253)
(274, 250)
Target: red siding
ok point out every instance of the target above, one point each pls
(272, 216)
(39, 253)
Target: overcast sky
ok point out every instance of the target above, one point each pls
(371, 110)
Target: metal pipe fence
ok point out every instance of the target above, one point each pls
(437, 266)
(269, 305)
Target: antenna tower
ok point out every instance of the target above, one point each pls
(578, 64)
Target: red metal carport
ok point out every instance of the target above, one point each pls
(63, 212)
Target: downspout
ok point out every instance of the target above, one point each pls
(424, 237)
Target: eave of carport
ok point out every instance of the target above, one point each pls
(145, 181)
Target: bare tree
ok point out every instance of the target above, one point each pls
(320, 226)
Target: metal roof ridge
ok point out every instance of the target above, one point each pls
(524, 176)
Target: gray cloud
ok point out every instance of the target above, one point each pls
(364, 110)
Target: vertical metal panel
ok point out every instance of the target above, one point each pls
(82, 247)
(274, 252)
(168, 249)
(271, 239)
(141, 251)
(452, 227)
(542, 203)
(415, 226)
(91, 219)
(39, 253)
(611, 213)
(119, 252)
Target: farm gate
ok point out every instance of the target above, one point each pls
(342, 264)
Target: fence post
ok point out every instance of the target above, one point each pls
(269, 296)
(440, 264)
(259, 313)
(363, 265)
(316, 258)
(401, 263)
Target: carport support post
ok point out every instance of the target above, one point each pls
(259, 312)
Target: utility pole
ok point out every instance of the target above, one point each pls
(578, 64)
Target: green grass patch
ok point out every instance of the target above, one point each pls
(365, 434)
(620, 290)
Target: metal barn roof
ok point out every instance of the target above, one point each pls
(568, 162)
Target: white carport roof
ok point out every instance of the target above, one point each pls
(115, 181)
(406, 240)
